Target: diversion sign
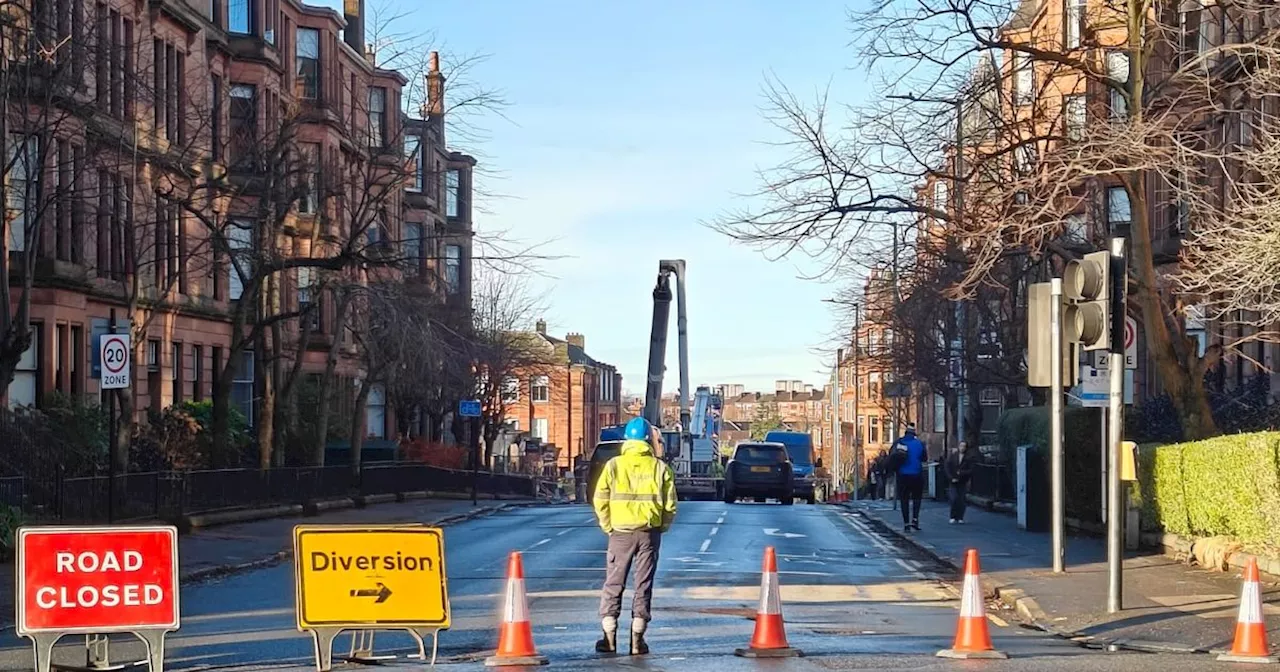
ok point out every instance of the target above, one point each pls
(350, 576)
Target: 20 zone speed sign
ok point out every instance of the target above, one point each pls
(113, 350)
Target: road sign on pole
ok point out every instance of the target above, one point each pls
(113, 352)
(367, 578)
(97, 581)
(1130, 343)
(469, 408)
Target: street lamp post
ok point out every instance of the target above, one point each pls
(857, 430)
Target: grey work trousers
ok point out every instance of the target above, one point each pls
(625, 549)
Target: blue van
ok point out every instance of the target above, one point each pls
(800, 448)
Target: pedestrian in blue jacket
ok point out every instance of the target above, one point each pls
(910, 454)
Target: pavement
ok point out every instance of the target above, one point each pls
(854, 596)
(1168, 605)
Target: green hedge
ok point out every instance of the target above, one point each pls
(1081, 447)
(1225, 486)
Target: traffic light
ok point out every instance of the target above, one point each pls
(1086, 283)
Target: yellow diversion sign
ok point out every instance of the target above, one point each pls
(352, 576)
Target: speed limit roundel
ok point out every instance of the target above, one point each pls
(114, 352)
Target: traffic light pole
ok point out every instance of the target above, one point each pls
(1115, 487)
(1056, 418)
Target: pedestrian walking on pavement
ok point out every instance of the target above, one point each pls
(635, 503)
(908, 455)
(958, 469)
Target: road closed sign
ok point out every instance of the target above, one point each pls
(370, 577)
(113, 353)
(97, 579)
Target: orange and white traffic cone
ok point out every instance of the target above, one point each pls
(515, 638)
(973, 640)
(1250, 645)
(770, 638)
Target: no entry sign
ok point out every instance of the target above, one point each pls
(97, 579)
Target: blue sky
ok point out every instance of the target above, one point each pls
(630, 123)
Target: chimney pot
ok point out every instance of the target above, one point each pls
(577, 339)
(541, 327)
(435, 86)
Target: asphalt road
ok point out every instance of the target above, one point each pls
(851, 597)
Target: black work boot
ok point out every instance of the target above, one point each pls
(608, 642)
(638, 645)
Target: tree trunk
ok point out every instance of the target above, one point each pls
(358, 427)
(326, 382)
(1176, 355)
(266, 413)
(124, 430)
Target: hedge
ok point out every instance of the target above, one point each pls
(1225, 486)
(1081, 447)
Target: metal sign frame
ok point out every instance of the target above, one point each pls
(362, 632)
(96, 643)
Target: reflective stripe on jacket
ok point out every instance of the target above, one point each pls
(636, 491)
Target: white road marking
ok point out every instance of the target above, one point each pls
(705, 544)
(563, 532)
(714, 530)
(866, 532)
(544, 541)
(720, 520)
(914, 572)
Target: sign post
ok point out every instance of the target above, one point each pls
(368, 578)
(97, 581)
(470, 408)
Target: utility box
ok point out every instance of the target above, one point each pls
(1034, 509)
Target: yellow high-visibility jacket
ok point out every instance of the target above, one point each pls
(636, 491)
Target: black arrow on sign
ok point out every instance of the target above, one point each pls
(381, 592)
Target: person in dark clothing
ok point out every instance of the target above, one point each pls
(959, 469)
(882, 477)
(910, 462)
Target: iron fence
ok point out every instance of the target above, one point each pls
(168, 495)
(993, 481)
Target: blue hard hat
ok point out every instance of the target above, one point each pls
(638, 429)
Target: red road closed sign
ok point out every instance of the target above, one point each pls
(97, 579)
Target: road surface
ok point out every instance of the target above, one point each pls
(852, 599)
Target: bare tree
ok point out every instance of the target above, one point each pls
(1055, 133)
(505, 351)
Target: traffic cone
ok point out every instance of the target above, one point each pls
(770, 638)
(973, 640)
(1250, 645)
(515, 638)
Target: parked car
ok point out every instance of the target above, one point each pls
(760, 470)
(800, 449)
(600, 456)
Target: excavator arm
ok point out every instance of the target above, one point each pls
(658, 345)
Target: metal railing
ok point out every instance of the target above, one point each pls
(169, 495)
(993, 481)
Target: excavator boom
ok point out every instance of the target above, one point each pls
(658, 343)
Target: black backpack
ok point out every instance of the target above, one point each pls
(897, 456)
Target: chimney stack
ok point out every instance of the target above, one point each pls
(577, 339)
(435, 87)
(541, 327)
(353, 34)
